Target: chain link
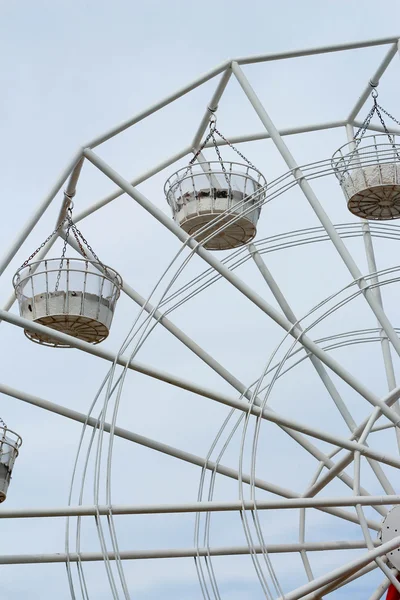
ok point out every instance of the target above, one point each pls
(211, 136)
(221, 162)
(388, 114)
(28, 260)
(2, 423)
(64, 250)
(235, 149)
(378, 109)
(80, 239)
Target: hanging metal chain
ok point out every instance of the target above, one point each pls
(221, 162)
(80, 239)
(175, 185)
(2, 424)
(378, 109)
(228, 143)
(64, 250)
(78, 234)
(28, 260)
(211, 136)
(388, 114)
(361, 131)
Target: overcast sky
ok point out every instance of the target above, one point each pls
(72, 70)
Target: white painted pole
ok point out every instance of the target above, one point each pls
(330, 587)
(9, 255)
(242, 287)
(138, 180)
(380, 590)
(248, 60)
(378, 128)
(373, 82)
(24, 559)
(349, 568)
(156, 107)
(212, 107)
(191, 507)
(266, 413)
(316, 206)
(318, 366)
(289, 314)
(164, 448)
(264, 135)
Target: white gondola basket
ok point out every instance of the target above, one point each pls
(74, 296)
(369, 175)
(221, 216)
(10, 442)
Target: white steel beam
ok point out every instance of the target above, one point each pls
(266, 413)
(156, 107)
(244, 288)
(212, 107)
(373, 82)
(349, 568)
(138, 180)
(165, 448)
(30, 224)
(295, 430)
(376, 127)
(195, 507)
(330, 587)
(264, 135)
(25, 559)
(316, 206)
(248, 60)
(318, 366)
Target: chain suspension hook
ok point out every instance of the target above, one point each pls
(213, 119)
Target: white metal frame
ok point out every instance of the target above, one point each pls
(249, 403)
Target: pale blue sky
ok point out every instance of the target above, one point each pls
(68, 72)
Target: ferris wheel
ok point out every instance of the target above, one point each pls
(297, 492)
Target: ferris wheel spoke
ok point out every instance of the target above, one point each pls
(320, 369)
(339, 583)
(229, 377)
(174, 452)
(308, 192)
(336, 575)
(241, 286)
(381, 589)
(289, 314)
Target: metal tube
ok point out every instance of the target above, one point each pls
(139, 179)
(372, 266)
(373, 82)
(311, 51)
(350, 567)
(212, 107)
(378, 128)
(156, 107)
(316, 206)
(266, 413)
(318, 366)
(225, 374)
(380, 590)
(241, 286)
(330, 587)
(289, 314)
(191, 507)
(38, 213)
(263, 135)
(164, 448)
(19, 559)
